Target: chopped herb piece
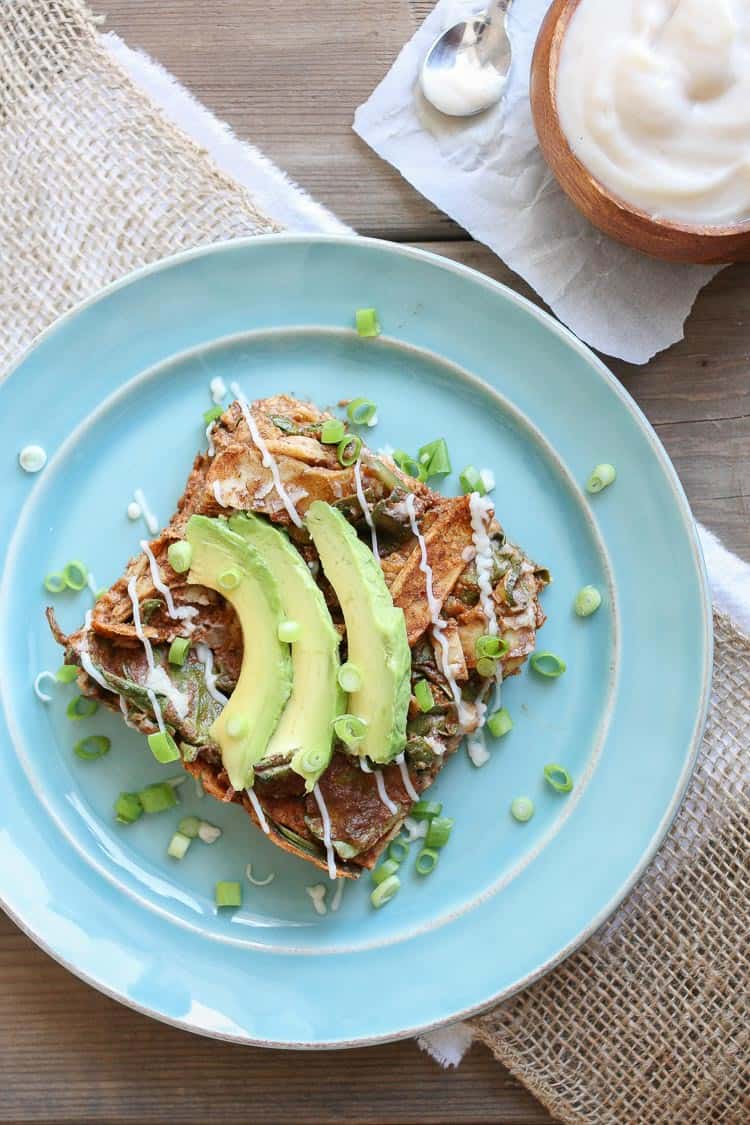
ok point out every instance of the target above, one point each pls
(76, 575)
(289, 631)
(350, 730)
(500, 722)
(367, 322)
(426, 810)
(408, 464)
(163, 747)
(158, 797)
(398, 850)
(55, 582)
(228, 894)
(522, 809)
(588, 600)
(491, 646)
(435, 459)
(178, 650)
(179, 845)
(349, 677)
(471, 481)
(189, 826)
(128, 808)
(361, 411)
(486, 667)
(180, 556)
(333, 431)
(385, 891)
(547, 664)
(601, 477)
(80, 707)
(423, 695)
(66, 673)
(384, 871)
(439, 832)
(213, 414)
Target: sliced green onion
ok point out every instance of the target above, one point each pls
(180, 556)
(408, 464)
(350, 730)
(588, 600)
(558, 777)
(163, 747)
(471, 481)
(92, 747)
(522, 809)
(66, 673)
(361, 411)
(385, 891)
(80, 707)
(493, 647)
(486, 667)
(311, 762)
(398, 850)
(289, 631)
(349, 677)
(367, 322)
(500, 722)
(427, 861)
(349, 450)
(423, 695)
(179, 845)
(426, 810)
(237, 726)
(439, 832)
(228, 894)
(230, 579)
(333, 431)
(189, 826)
(547, 664)
(128, 808)
(158, 797)
(601, 477)
(213, 414)
(76, 575)
(384, 871)
(178, 650)
(55, 582)
(435, 459)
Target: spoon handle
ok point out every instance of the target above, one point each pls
(494, 44)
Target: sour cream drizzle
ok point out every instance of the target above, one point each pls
(362, 500)
(133, 595)
(330, 856)
(219, 494)
(337, 894)
(209, 438)
(86, 661)
(438, 624)
(266, 457)
(258, 810)
(401, 763)
(206, 657)
(149, 518)
(258, 882)
(218, 389)
(177, 613)
(124, 709)
(318, 896)
(383, 792)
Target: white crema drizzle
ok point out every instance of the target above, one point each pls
(362, 500)
(330, 856)
(401, 763)
(480, 508)
(252, 798)
(383, 793)
(266, 458)
(149, 518)
(177, 613)
(133, 595)
(438, 624)
(206, 657)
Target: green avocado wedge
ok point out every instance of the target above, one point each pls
(305, 730)
(223, 561)
(375, 629)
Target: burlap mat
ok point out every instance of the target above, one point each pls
(650, 1021)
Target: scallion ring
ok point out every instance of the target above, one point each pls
(66, 673)
(92, 747)
(163, 747)
(548, 664)
(289, 631)
(439, 832)
(471, 481)
(350, 730)
(189, 826)
(349, 450)
(384, 871)
(558, 777)
(128, 808)
(522, 809)
(408, 464)
(361, 411)
(426, 810)
(427, 861)
(178, 845)
(491, 646)
(349, 677)
(180, 556)
(500, 722)
(158, 797)
(398, 850)
(588, 600)
(81, 707)
(423, 695)
(486, 667)
(367, 322)
(230, 579)
(332, 431)
(228, 894)
(601, 477)
(55, 582)
(385, 891)
(76, 575)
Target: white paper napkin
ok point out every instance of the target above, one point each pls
(489, 175)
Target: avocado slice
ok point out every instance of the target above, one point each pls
(305, 730)
(224, 562)
(375, 629)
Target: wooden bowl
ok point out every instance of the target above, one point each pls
(658, 237)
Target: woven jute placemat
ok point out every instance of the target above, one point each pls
(650, 1021)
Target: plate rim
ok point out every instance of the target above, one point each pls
(681, 503)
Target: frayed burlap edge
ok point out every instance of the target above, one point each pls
(94, 181)
(649, 1022)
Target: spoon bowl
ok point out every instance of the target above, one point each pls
(621, 220)
(464, 71)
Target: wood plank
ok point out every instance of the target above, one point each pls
(70, 1054)
(288, 78)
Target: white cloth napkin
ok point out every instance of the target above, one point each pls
(285, 201)
(489, 175)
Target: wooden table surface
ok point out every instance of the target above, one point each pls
(288, 77)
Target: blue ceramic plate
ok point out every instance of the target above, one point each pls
(115, 392)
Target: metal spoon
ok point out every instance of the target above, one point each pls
(465, 69)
